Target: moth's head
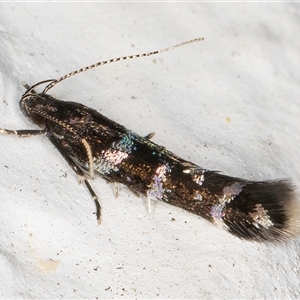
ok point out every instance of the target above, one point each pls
(35, 106)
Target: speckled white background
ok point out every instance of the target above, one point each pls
(230, 103)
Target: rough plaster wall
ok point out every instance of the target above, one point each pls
(230, 103)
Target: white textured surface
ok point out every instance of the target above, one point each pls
(230, 103)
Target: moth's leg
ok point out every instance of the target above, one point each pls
(23, 132)
(80, 173)
(98, 206)
(150, 135)
(27, 87)
(89, 157)
(149, 205)
(116, 190)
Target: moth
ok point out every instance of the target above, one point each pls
(93, 145)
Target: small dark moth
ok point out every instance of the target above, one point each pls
(93, 144)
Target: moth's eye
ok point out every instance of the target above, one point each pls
(37, 118)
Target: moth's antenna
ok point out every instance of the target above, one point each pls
(105, 62)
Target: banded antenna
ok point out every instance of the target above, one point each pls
(109, 61)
